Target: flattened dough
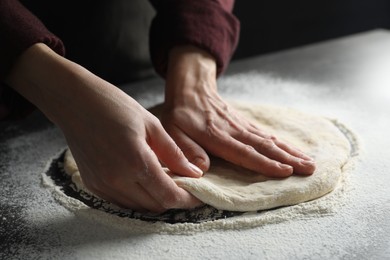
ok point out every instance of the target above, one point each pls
(229, 187)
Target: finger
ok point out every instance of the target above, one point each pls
(246, 156)
(130, 196)
(162, 187)
(293, 151)
(123, 192)
(308, 162)
(195, 154)
(108, 194)
(170, 154)
(268, 148)
(136, 197)
(123, 202)
(306, 165)
(255, 130)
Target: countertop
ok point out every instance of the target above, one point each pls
(346, 78)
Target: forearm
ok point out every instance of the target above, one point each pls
(57, 86)
(19, 29)
(41, 76)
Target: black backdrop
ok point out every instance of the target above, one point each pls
(273, 25)
(111, 37)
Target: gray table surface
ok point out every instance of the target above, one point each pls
(346, 78)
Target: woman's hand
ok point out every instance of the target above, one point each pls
(116, 143)
(200, 121)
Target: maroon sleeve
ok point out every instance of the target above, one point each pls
(19, 29)
(207, 24)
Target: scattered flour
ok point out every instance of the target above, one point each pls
(323, 206)
(349, 223)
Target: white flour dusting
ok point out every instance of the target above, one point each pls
(354, 226)
(349, 223)
(323, 206)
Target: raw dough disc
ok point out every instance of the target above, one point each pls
(228, 187)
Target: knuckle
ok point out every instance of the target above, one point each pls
(155, 121)
(273, 138)
(267, 144)
(190, 151)
(142, 172)
(242, 132)
(171, 200)
(176, 152)
(212, 129)
(248, 150)
(245, 153)
(155, 124)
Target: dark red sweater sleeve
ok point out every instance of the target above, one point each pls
(19, 29)
(207, 24)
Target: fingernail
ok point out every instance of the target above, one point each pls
(196, 169)
(307, 162)
(285, 166)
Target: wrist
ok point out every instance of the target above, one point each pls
(191, 71)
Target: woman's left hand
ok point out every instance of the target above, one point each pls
(201, 122)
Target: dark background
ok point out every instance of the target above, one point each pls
(111, 39)
(273, 25)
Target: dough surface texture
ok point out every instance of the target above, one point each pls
(229, 187)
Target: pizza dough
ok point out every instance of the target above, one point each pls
(229, 187)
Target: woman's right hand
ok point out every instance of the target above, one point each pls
(116, 143)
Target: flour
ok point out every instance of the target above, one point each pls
(316, 208)
(324, 206)
(354, 226)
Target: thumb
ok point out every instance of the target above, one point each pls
(170, 154)
(194, 152)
